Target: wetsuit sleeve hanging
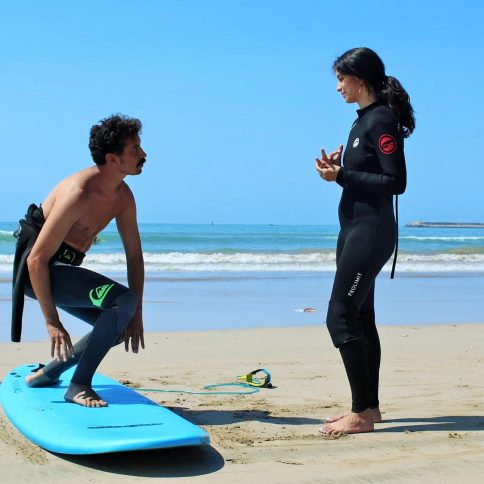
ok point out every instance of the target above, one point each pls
(26, 234)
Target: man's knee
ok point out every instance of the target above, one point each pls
(125, 304)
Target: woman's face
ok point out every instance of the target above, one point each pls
(349, 87)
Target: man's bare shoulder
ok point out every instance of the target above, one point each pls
(126, 191)
(81, 182)
(126, 199)
(73, 190)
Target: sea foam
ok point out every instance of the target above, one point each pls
(268, 262)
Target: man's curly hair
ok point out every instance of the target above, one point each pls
(110, 136)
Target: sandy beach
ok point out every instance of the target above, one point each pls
(236, 157)
(431, 395)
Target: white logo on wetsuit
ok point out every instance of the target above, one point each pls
(355, 284)
(356, 142)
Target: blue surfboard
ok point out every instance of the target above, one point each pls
(130, 422)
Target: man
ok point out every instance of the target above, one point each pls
(65, 226)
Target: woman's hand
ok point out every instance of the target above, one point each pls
(329, 166)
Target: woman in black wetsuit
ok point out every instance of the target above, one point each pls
(373, 170)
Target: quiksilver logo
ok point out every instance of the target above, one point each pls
(68, 255)
(98, 294)
(356, 142)
(355, 284)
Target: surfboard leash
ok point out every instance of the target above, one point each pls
(206, 387)
(249, 380)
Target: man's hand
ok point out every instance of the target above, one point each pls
(329, 166)
(134, 332)
(61, 346)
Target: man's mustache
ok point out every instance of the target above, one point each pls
(142, 162)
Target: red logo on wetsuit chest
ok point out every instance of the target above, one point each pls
(387, 144)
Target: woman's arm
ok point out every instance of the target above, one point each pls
(389, 151)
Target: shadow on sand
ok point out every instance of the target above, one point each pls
(442, 424)
(227, 417)
(182, 461)
(178, 462)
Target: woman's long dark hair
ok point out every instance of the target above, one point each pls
(365, 64)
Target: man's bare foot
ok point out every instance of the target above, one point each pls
(84, 396)
(352, 423)
(375, 412)
(38, 379)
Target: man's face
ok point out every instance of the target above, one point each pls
(133, 157)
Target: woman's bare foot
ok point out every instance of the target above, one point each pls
(38, 379)
(352, 423)
(375, 412)
(84, 396)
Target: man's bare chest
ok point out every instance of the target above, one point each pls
(90, 223)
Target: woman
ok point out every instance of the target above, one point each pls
(373, 171)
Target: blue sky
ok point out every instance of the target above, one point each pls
(236, 98)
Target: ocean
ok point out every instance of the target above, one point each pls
(201, 277)
(179, 248)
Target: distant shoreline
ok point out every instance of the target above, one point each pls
(446, 225)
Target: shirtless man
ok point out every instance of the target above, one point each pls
(77, 209)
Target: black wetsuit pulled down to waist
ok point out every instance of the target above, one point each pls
(26, 234)
(373, 171)
(103, 303)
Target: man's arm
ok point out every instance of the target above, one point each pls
(64, 214)
(128, 230)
